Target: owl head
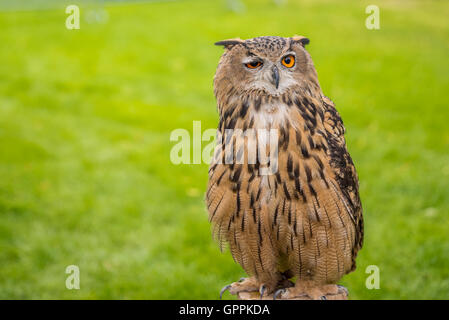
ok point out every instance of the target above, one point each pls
(266, 65)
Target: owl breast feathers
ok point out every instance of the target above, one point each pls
(303, 218)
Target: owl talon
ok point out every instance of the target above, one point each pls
(278, 292)
(343, 289)
(225, 288)
(323, 298)
(242, 285)
(262, 291)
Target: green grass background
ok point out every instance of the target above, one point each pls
(85, 121)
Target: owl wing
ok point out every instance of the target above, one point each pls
(220, 201)
(345, 172)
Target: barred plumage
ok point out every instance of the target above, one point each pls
(305, 219)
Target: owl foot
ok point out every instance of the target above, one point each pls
(308, 291)
(251, 289)
(243, 285)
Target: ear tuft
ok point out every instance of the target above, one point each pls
(301, 40)
(229, 43)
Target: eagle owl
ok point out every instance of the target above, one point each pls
(296, 228)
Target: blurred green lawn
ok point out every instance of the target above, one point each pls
(85, 121)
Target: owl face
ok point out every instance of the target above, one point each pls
(271, 65)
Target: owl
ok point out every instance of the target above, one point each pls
(289, 212)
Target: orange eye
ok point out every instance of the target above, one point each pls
(288, 61)
(253, 65)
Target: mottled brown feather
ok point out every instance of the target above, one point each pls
(307, 217)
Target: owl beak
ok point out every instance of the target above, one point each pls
(275, 76)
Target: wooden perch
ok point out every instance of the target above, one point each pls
(343, 295)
